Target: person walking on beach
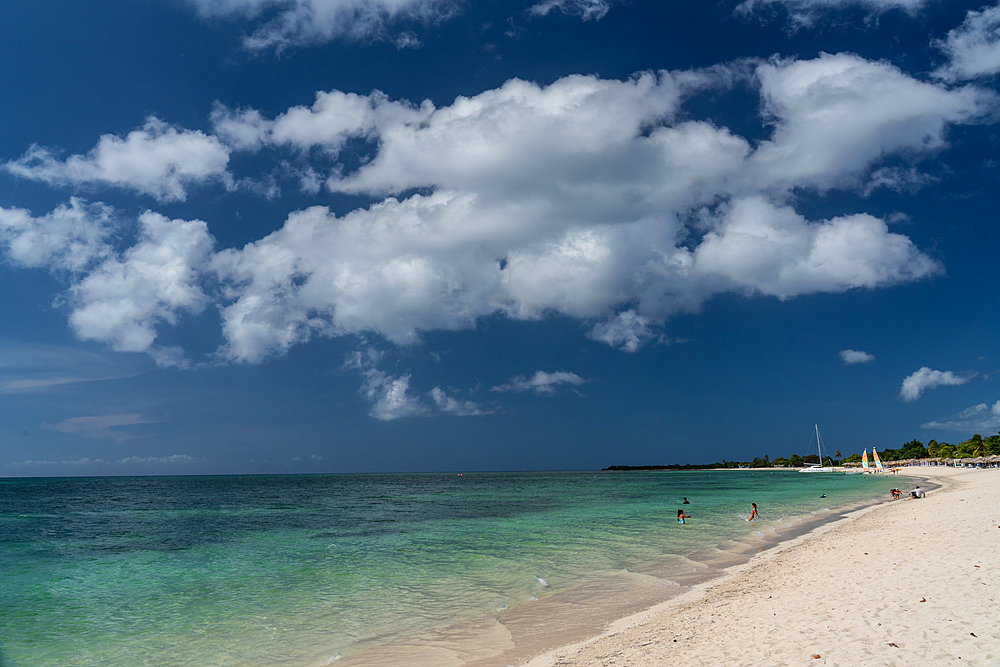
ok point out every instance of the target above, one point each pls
(753, 513)
(681, 516)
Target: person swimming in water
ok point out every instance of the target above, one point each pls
(685, 501)
(753, 513)
(681, 516)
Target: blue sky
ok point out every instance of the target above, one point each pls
(381, 235)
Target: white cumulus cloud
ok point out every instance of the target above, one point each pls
(565, 198)
(628, 331)
(915, 384)
(157, 160)
(389, 396)
(122, 301)
(599, 200)
(759, 247)
(71, 238)
(836, 115)
(973, 48)
(856, 357)
(119, 298)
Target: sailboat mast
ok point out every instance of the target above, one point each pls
(819, 446)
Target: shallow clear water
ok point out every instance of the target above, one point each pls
(298, 570)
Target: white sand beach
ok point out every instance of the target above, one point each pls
(909, 582)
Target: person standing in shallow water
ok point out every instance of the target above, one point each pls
(753, 513)
(681, 516)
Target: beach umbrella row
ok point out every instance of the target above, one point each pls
(977, 460)
(992, 459)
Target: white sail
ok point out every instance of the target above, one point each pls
(878, 462)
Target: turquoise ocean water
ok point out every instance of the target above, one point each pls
(311, 570)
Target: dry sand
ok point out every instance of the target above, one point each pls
(910, 582)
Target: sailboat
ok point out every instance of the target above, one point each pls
(864, 460)
(819, 467)
(878, 462)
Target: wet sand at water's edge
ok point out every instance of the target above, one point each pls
(899, 583)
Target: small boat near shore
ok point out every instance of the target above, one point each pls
(819, 467)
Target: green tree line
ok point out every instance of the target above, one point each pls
(975, 446)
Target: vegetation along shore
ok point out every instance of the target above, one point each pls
(969, 451)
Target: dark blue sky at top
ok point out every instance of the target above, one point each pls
(748, 375)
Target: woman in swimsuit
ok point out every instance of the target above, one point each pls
(753, 513)
(681, 516)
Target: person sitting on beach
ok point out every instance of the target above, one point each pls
(681, 516)
(685, 501)
(753, 513)
(917, 493)
(896, 493)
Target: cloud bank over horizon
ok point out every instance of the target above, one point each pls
(128, 463)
